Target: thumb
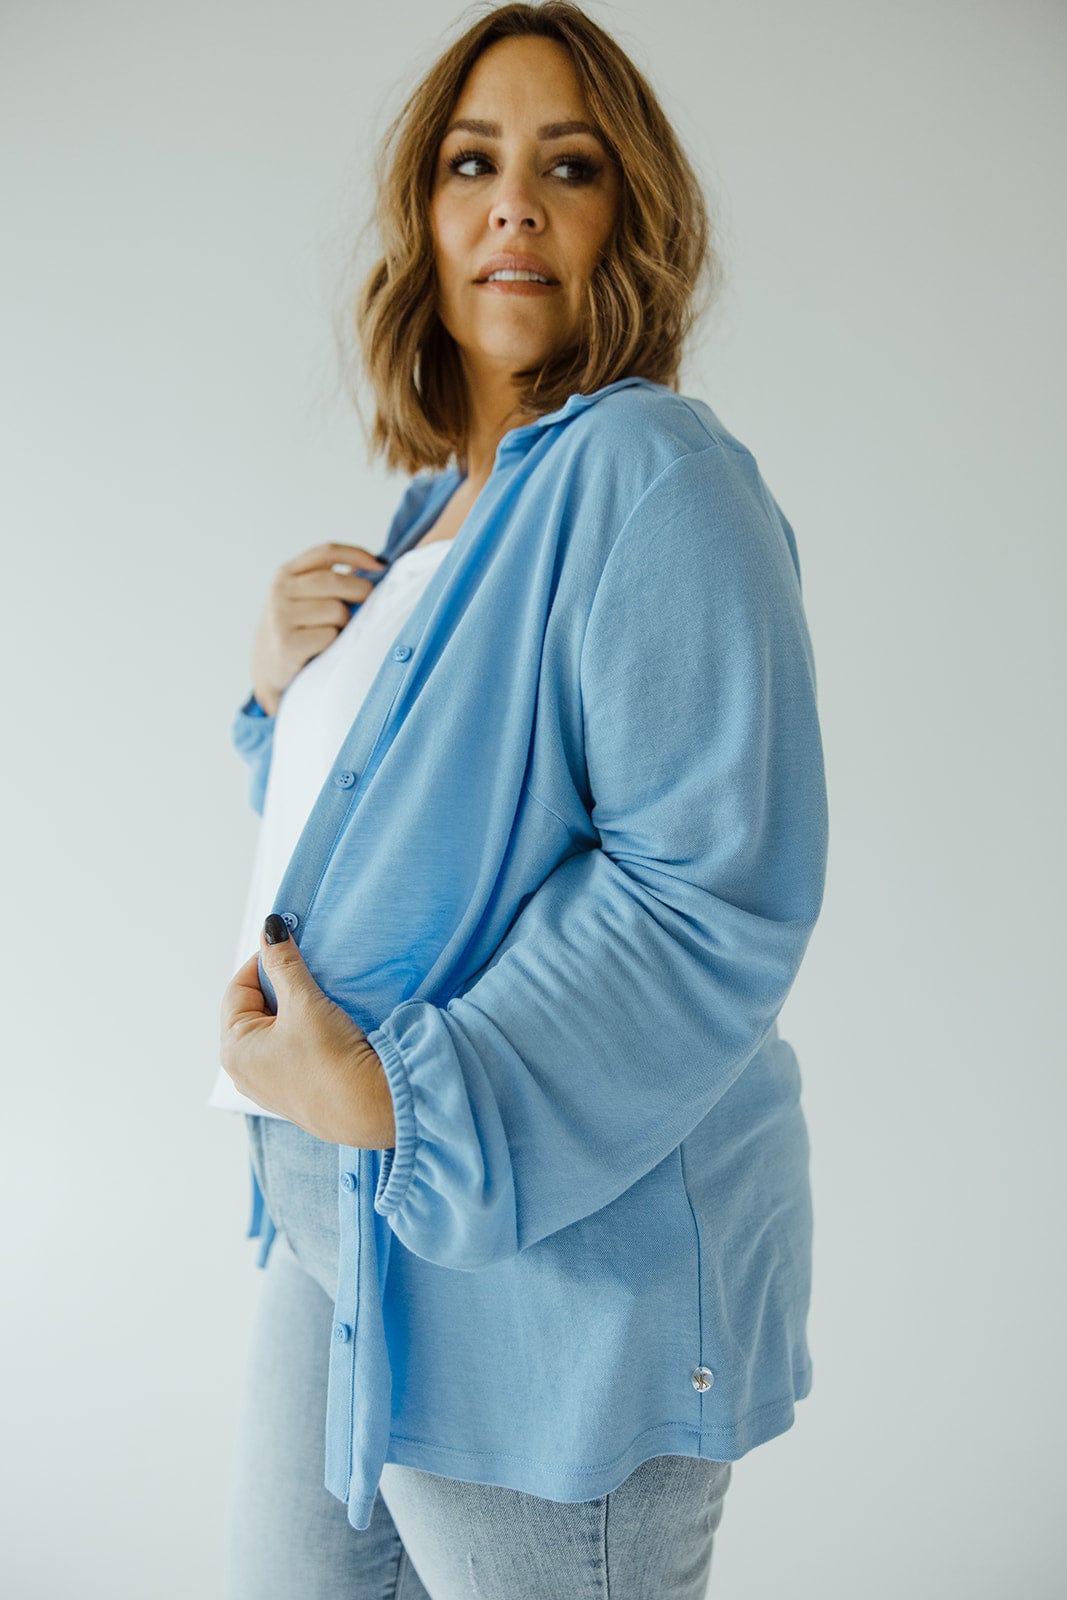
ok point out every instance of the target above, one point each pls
(282, 958)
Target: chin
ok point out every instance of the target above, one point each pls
(519, 352)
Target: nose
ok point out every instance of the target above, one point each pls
(515, 206)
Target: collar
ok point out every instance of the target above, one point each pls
(521, 436)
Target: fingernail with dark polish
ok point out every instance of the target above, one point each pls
(275, 929)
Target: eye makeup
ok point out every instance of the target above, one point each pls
(587, 169)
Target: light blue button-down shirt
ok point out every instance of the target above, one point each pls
(563, 873)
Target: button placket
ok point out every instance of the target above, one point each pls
(331, 807)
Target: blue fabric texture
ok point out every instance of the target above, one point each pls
(566, 898)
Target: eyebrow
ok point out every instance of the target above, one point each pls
(550, 130)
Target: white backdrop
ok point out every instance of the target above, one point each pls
(179, 183)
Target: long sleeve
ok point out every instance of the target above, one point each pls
(643, 974)
(252, 736)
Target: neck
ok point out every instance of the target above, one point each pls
(493, 413)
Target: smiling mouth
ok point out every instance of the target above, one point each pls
(519, 286)
(515, 271)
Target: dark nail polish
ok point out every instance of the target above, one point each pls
(275, 929)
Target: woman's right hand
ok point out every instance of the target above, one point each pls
(305, 610)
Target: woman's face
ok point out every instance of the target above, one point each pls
(519, 186)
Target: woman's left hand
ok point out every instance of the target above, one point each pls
(310, 1063)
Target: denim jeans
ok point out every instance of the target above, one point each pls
(430, 1537)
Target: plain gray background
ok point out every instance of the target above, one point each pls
(180, 185)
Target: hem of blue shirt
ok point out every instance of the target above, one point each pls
(550, 1480)
(513, 1471)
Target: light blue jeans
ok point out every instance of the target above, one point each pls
(430, 1537)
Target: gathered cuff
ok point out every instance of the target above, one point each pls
(398, 1163)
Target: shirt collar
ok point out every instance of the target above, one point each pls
(521, 436)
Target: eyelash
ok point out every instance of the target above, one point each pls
(589, 169)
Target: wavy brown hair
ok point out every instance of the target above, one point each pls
(642, 300)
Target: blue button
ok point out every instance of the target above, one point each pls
(348, 1181)
(345, 780)
(290, 919)
(401, 652)
(342, 1332)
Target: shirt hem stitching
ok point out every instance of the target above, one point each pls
(700, 1434)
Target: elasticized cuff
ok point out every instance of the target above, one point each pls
(398, 1164)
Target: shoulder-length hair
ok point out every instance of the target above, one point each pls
(642, 299)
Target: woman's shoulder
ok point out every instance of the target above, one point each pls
(649, 425)
(617, 449)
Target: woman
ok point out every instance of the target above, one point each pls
(543, 844)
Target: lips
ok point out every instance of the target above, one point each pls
(513, 261)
